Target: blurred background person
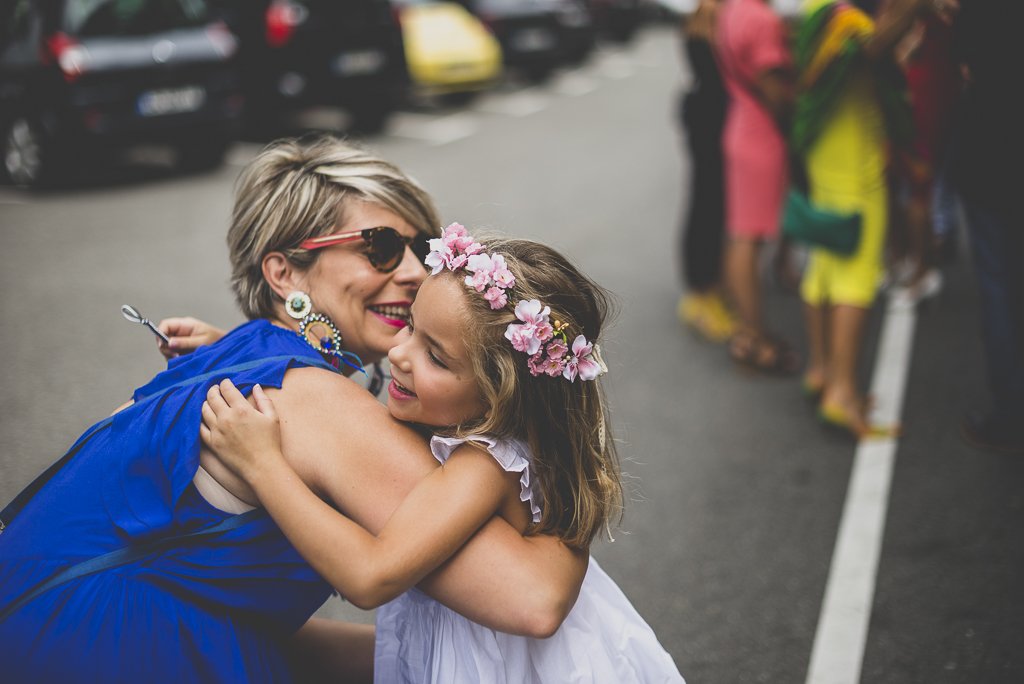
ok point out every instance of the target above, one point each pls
(702, 110)
(934, 82)
(753, 55)
(987, 172)
(852, 105)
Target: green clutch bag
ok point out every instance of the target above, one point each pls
(802, 222)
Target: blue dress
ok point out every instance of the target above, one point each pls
(211, 611)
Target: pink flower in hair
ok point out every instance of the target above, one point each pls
(556, 349)
(522, 338)
(504, 278)
(553, 366)
(480, 263)
(544, 331)
(438, 257)
(581, 362)
(536, 364)
(455, 262)
(479, 280)
(452, 234)
(534, 330)
(496, 296)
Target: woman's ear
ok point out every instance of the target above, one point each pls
(282, 275)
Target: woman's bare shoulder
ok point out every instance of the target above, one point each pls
(346, 446)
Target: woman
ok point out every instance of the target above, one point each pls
(851, 108)
(343, 227)
(703, 112)
(753, 54)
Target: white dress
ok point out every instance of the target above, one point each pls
(603, 639)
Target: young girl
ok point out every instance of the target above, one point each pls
(499, 361)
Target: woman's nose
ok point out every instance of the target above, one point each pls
(411, 272)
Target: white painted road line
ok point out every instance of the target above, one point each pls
(518, 104)
(838, 651)
(573, 84)
(615, 66)
(433, 130)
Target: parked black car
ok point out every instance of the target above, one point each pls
(538, 35)
(617, 19)
(81, 75)
(298, 53)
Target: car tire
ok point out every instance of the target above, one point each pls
(28, 153)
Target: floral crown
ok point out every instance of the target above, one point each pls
(546, 343)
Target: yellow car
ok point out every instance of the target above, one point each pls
(447, 49)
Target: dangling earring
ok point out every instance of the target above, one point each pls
(298, 305)
(319, 330)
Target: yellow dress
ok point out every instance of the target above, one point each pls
(846, 172)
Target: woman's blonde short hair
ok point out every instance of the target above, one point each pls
(299, 188)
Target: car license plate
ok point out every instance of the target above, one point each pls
(533, 40)
(358, 63)
(171, 101)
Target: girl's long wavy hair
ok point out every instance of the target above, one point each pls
(565, 423)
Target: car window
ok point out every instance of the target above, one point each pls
(131, 17)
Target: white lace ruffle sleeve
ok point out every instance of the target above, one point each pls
(511, 454)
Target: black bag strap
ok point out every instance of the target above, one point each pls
(129, 555)
(21, 500)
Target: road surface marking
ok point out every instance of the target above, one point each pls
(615, 66)
(573, 84)
(838, 651)
(433, 130)
(518, 104)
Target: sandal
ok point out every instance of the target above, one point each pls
(707, 316)
(835, 416)
(764, 354)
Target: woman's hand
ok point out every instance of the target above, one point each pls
(243, 438)
(187, 334)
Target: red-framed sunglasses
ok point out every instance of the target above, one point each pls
(385, 246)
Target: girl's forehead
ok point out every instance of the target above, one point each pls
(440, 307)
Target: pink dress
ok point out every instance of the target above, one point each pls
(751, 39)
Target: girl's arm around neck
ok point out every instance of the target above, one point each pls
(437, 518)
(347, 448)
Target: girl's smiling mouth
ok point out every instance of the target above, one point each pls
(400, 391)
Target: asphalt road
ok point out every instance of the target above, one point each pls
(736, 491)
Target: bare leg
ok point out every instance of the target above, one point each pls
(332, 651)
(751, 345)
(815, 375)
(846, 332)
(920, 231)
(744, 285)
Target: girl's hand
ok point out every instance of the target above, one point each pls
(187, 334)
(240, 436)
